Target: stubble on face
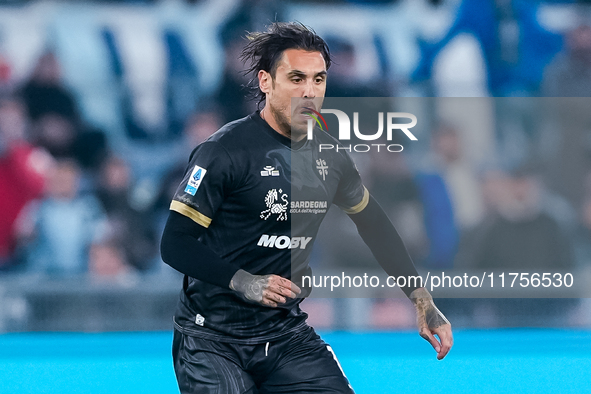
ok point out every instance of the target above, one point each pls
(279, 112)
(290, 129)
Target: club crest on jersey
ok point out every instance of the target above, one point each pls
(277, 202)
(322, 168)
(195, 180)
(269, 171)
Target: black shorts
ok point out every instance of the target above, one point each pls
(300, 363)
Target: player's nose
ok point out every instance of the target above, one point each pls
(309, 90)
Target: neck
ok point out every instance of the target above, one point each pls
(268, 117)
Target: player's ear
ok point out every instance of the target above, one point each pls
(264, 81)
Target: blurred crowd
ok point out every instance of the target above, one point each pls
(66, 197)
(74, 201)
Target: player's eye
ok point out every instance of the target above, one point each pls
(319, 79)
(296, 80)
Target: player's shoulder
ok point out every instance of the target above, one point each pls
(229, 141)
(235, 134)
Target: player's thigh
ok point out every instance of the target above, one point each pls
(308, 366)
(201, 367)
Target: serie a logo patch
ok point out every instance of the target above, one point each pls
(195, 180)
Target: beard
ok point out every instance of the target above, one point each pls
(284, 122)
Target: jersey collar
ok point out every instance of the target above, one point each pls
(287, 142)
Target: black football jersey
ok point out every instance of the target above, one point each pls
(262, 198)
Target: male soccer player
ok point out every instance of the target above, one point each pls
(238, 325)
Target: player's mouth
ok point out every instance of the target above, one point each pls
(308, 110)
(303, 112)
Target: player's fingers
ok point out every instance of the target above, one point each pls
(273, 282)
(268, 302)
(295, 288)
(425, 333)
(446, 337)
(443, 352)
(280, 290)
(269, 298)
(273, 296)
(287, 287)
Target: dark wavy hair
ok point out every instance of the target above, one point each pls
(264, 50)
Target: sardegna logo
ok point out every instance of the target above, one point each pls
(392, 120)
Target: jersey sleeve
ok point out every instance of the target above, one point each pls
(352, 197)
(206, 182)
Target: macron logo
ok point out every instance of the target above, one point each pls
(283, 242)
(269, 171)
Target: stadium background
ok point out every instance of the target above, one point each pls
(101, 102)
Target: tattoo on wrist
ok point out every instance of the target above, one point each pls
(434, 317)
(427, 312)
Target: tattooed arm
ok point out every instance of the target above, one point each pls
(431, 322)
(380, 235)
(180, 244)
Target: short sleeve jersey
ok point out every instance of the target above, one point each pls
(262, 199)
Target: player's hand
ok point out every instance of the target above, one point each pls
(269, 290)
(432, 322)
